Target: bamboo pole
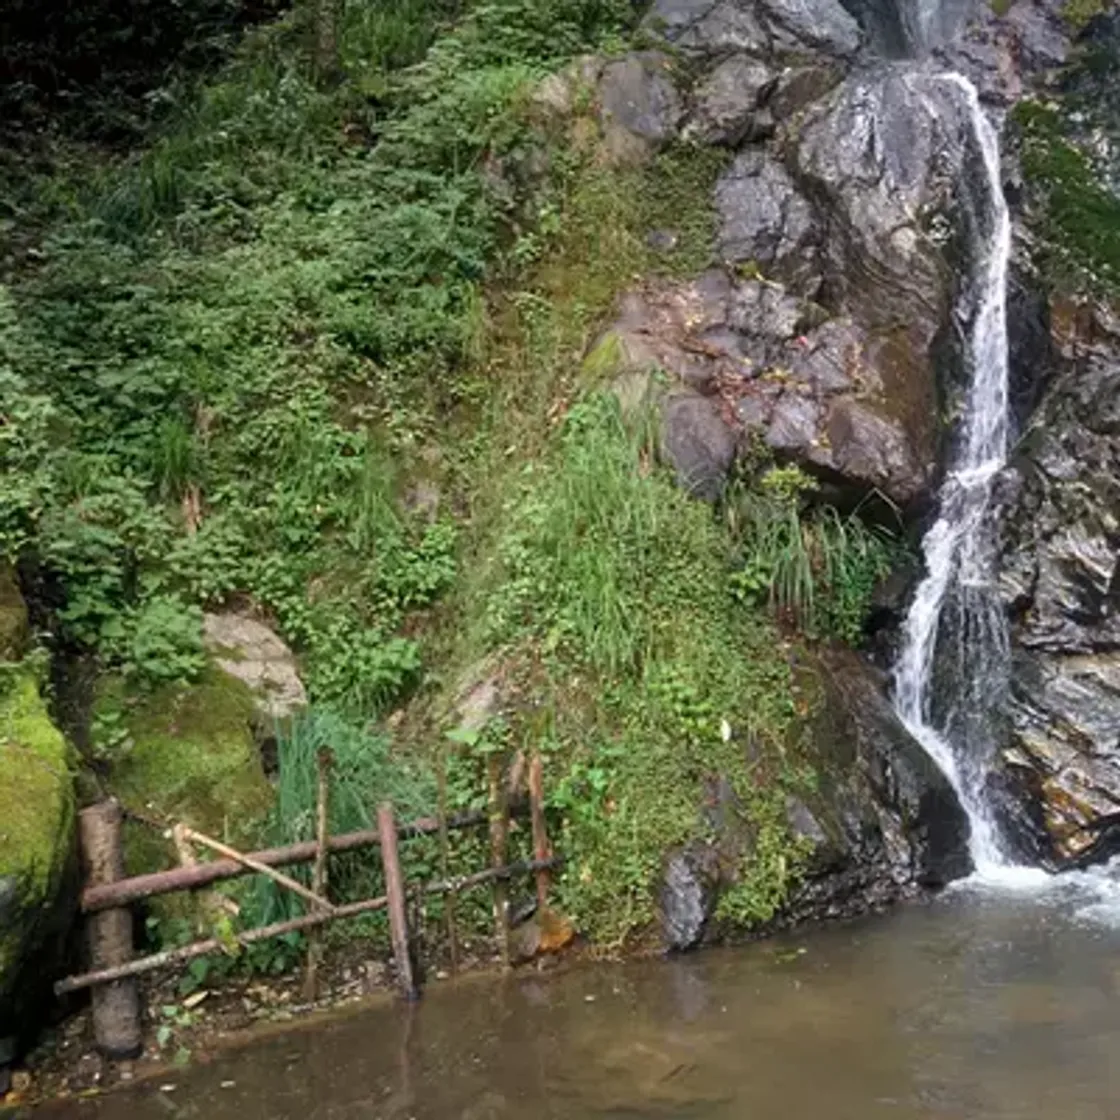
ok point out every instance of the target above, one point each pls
(116, 1006)
(541, 848)
(319, 873)
(499, 844)
(293, 925)
(109, 895)
(451, 902)
(394, 891)
(277, 877)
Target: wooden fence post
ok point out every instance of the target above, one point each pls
(394, 892)
(541, 848)
(452, 899)
(319, 874)
(499, 844)
(116, 1005)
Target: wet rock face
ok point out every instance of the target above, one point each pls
(883, 818)
(882, 155)
(1061, 562)
(687, 895)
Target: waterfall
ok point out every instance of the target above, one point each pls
(951, 675)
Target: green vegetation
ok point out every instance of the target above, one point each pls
(817, 567)
(318, 347)
(1062, 144)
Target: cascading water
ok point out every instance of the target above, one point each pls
(951, 676)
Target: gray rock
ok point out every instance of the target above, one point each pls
(727, 102)
(821, 24)
(708, 26)
(718, 27)
(798, 87)
(687, 895)
(639, 106)
(699, 444)
(764, 220)
(253, 653)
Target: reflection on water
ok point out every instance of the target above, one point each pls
(976, 1006)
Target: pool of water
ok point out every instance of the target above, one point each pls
(995, 1004)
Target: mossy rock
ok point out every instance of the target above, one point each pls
(36, 844)
(13, 616)
(184, 753)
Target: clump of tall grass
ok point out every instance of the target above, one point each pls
(815, 567)
(363, 773)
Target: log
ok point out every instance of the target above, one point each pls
(394, 891)
(293, 925)
(106, 896)
(541, 848)
(249, 862)
(116, 1006)
(499, 845)
(319, 872)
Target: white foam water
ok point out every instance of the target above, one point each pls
(950, 678)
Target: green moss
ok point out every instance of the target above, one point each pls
(184, 753)
(36, 792)
(1078, 14)
(606, 358)
(13, 616)
(36, 813)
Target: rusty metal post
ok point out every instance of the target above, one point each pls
(116, 1005)
(499, 845)
(394, 892)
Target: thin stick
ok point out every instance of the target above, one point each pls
(293, 925)
(140, 887)
(499, 840)
(394, 890)
(541, 850)
(445, 865)
(319, 873)
(262, 868)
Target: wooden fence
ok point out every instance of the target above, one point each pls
(107, 895)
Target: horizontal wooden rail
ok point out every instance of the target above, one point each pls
(125, 891)
(186, 953)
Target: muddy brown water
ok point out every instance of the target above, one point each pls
(969, 1007)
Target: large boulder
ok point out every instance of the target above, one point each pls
(37, 849)
(1061, 583)
(640, 110)
(883, 818)
(819, 391)
(183, 753)
(247, 649)
(765, 27)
